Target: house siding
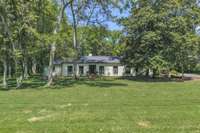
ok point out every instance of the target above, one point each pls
(58, 70)
(65, 69)
(62, 70)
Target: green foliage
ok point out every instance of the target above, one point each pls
(164, 29)
(196, 69)
(29, 28)
(100, 41)
(174, 73)
(157, 62)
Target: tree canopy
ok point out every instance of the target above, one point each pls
(162, 31)
(157, 34)
(37, 32)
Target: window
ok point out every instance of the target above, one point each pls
(92, 69)
(101, 70)
(115, 69)
(70, 69)
(81, 70)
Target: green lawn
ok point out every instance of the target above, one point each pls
(101, 106)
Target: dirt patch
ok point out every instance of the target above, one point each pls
(44, 111)
(40, 118)
(144, 124)
(27, 111)
(19, 131)
(65, 105)
(62, 106)
(69, 104)
(85, 104)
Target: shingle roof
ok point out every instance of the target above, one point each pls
(57, 62)
(99, 59)
(91, 59)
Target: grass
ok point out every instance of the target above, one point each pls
(107, 106)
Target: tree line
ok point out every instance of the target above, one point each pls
(162, 35)
(157, 34)
(34, 33)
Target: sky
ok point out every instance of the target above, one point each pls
(109, 23)
(114, 25)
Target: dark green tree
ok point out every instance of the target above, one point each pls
(165, 29)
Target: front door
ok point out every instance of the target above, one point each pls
(92, 69)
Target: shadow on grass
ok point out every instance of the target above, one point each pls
(104, 83)
(156, 79)
(31, 83)
(36, 82)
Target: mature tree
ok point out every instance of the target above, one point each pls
(183, 18)
(24, 19)
(99, 40)
(165, 29)
(4, 58)
(116, 39)
(17, 20)
(35, 31)
(90, 12)
(62, 6)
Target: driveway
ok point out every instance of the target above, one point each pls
(193, 76)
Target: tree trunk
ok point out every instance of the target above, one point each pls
(53, 46)
(154, 73)
(52, 55)
(136, 71)
(7, 30)
(18, 73)
(25, 68)
(147, 73)
(19, 81)
(9, 71)
(76, 76)
(34, 66)
(75, 40)
(5, 85)
(74, 26)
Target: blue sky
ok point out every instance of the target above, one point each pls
(113, 25)
(109, 23)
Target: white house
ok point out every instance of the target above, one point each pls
(86, 65)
